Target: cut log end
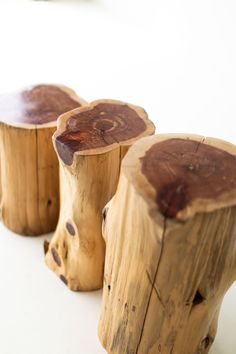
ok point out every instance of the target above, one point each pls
(187, 170)
(99, 125)
(184, 175)
(40, 104)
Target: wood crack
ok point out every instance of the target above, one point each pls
(155, 289)
(199, 143)
(152, 286)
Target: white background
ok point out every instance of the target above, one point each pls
(177, 59)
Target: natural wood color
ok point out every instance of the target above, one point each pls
(87, 183)
(165, 277)
(29, 166)
(0, 185)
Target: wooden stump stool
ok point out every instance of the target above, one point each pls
(90, 143)
(29, 166)
(170, 246)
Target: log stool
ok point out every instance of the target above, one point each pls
(90, 143)
(29, 185)
(170, 246)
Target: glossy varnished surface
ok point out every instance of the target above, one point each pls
(102, 125)
(183, 170)
(36, 105)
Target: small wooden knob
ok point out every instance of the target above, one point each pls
(170, 246)
(90, 143)
(29, 166)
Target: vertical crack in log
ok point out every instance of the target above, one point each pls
(152, 286)
(199, 143)
(101, 133)
(155, 289)
(175, 196)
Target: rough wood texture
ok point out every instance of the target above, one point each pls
(90, 143)
(29, 166)
(170, 246)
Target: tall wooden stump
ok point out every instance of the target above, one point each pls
(29, 165)
(170, 246)
(90, 143)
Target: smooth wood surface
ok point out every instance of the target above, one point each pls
(29, 166)
(90, 143)
(167, 270)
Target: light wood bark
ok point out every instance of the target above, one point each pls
(168, 269)
(90, 144)
(29, 172)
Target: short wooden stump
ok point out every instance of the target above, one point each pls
(170, 246)
(90, 143)
(29, 183)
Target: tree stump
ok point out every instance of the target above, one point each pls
(170, 246)
(90, 143)
(29, 166)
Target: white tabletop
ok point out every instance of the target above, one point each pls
(174, 58)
